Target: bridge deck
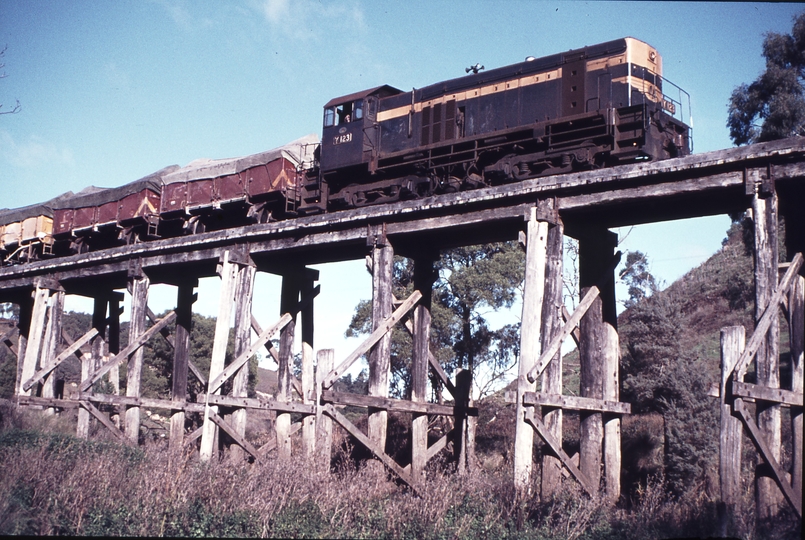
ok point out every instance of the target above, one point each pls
(699, 185)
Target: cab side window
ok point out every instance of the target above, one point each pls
(343, 114)
(329, 117)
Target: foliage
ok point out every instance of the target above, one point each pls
(158, 360)
(472, 281)
(638, 278)
(661, 374)
(773, 106)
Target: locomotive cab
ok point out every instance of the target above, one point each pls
(349, 140)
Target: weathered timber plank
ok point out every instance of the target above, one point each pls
(796, 308)
(49, 402)
(228, 271)
(35, 336)
(794, 498)
(768, 295)
(387, 460)
(133, 401)
(324, 424)
(556, 343)
(125, 353)
(275, 355)
(226, 426)
(262, 404)
(769, 314)
(763, 393)
(60, 358)
(391, 404)
(530, 344)
(733, 340)
(248, 353)
(539, 427)
(103, 420)
(364, 347)
(576, 403)
(379, 353)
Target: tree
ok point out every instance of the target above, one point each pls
(773, 106)
(637, 277)
(473, 281)
(158, 360)
(661, 373)
(17, 106)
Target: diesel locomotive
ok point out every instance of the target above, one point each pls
(598, 106)
(593, 107)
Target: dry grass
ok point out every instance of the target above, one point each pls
(54, 484)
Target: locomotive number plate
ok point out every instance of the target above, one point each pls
(341, 139)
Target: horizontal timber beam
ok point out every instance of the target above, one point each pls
(764, 393)
(712, 183)
(390, 404)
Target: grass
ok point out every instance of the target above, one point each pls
(54, 484)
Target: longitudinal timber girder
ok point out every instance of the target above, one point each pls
(698, 185)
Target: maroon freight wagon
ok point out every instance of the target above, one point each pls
(256, 187)
(112, 212)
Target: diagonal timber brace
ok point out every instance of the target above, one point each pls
(364, 347)
(759, 336)
(76, 345)
(794, 498)
(238, 363)
(546, 436)
(232, 432)
(125, 353)
(567, 329)
(353, 430)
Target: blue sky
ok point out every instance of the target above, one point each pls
(111, 91)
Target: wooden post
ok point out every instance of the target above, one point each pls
(462, 437)
(289, 302)
(181, 350)
(92, 361)
(26, 313)
(729, 465)
(531, 326)
(243, 328)
(796, 308)
(380, 354)
(324, 424)
(551, 379)
(112, 348)
(308, 397)
(209, 434)
(138, 285)
(308, 382)
(52, 340)
(423, 282)
(113, 340)
(611, 383)
(767, 362)
(35, 334)
(595, 351)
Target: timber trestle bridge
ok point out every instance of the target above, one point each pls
(767, 178)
